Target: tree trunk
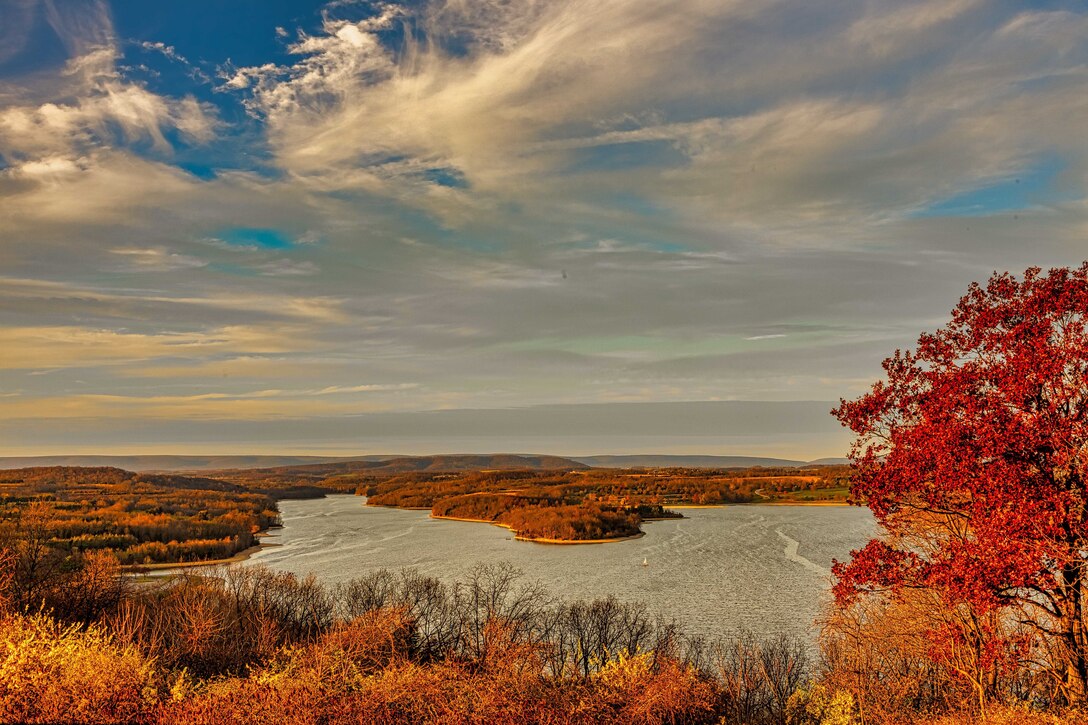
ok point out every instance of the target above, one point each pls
(1076, 664)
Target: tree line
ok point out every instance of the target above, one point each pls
(592, 504)
(140, 518)
(629, 487)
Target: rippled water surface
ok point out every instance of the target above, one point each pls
(761, 567)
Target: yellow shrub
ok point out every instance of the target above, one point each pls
(819, 705)
(638, 689)
(55, 673)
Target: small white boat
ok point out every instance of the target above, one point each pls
(645, 562)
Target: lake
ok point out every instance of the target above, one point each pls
(765, 568)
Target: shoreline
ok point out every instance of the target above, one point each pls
(639, 535)
(471, 521)
(242, 555)
(798, 503)
(532, 540)
(750, 503)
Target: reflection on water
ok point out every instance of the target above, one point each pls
(761, 567)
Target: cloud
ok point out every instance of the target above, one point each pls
(511, 95)
(106, 110)
(340, 389)
(514, 203)
(288, 268)
(168, 51)
(68, 347)
(157, 259)
(213, 406)
(118, 309)
(68, 141)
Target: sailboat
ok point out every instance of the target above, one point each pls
(645, 562)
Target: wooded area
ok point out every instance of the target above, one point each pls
(596, 504)
(140, 518)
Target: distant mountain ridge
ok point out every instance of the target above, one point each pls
(403, 464)
(416, 464)
(650, 460)
(176, 463)
(46, 476)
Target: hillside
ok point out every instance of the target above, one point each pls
(403, 464)
(174, 463)
(414, 464)
(339, 464)
(651, 460)
(40, 479)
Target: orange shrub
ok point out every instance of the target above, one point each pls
(1011, 715)
(345, 655)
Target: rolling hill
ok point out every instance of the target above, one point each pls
(681, 461)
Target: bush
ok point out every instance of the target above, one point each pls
(636, 689)
(820, 705)
(55, 673)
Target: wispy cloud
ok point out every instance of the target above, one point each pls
(167, 51)
(170, 53)
(288, 268)
(339, 389)
(57, 347)
(156, 259)
(509, 94)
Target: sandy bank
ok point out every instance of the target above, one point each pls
(639, 535)
(474, 521)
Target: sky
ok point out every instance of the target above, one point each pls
(554, 226)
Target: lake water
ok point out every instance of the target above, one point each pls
(765, 568)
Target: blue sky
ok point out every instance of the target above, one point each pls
(263, 225)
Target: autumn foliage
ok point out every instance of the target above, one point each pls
(615, 487)
(596, 504)
(250, 645)
(539, 518)
(51, 672)
(140, 518)
(972, 453)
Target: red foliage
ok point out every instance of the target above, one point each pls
(972, 454)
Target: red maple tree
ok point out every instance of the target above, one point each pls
(973, 453)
